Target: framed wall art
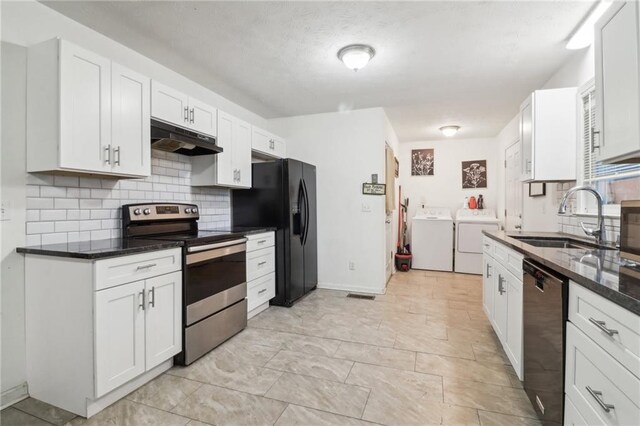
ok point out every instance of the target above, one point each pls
(474, 174)
(422, 162)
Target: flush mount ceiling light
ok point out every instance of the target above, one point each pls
(449, 131)
(356, 56)
(583, 36)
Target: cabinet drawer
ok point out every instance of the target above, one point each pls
(261, 291)
(125, 269)
(487, 245)
(260, 241)
(572, 416)
(594, 314)
(602, 390)
(511, 259)
(260, 262)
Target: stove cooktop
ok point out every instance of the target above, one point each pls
(198, 237)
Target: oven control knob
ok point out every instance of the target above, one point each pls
(147, 211)
(137, 212)
(194, 210)
(187, 210)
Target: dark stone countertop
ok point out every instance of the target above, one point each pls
(601, 271)
(99, 249)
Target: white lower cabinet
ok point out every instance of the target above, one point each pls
(502, 298)
(93, 336)
(261, 272)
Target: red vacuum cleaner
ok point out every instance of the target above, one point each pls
(403, 252)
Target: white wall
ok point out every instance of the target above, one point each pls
(444, 188)
(347, 148)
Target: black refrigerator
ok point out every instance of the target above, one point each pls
(283, 196)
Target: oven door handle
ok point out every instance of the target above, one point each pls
(216, 245)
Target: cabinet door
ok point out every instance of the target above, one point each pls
(260, 140)
(119, 335)
(513, 341)
(226, 173)
(163, 326)
(242, 153)
(526, 138)
(169, 105)
(278, 147)
(202, 117)
(85, 109)
(617, 81)
(487, 286)
(500, 309)
(131, 115)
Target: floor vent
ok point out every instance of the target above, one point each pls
(362, 296)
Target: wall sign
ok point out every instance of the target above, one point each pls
(374, 188)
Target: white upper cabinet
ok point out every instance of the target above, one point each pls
(131, 119)
(617, 51)
(266, 144)
(172, 106)
(231, 167)
(71, 124)
(548, 135)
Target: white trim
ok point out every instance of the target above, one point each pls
(13, 395)
(352, 288)
(255, 311)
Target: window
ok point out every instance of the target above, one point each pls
(615, 182)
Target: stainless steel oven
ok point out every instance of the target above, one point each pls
(630, 230)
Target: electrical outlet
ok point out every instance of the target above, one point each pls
(5, 209)
(366, 207)
(352, 266)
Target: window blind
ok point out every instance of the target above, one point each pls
(594, 170)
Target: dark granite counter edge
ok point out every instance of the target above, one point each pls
(614, 296)
(115, 252)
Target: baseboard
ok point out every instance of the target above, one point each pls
(353, 288)
(257, 310)
(13, 395)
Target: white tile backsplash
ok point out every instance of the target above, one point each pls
(68, 208)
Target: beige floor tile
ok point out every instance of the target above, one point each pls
(229, 373)
(296, 415)
(44, 411)
(495, 419)
(483, 396)
(427, 329)
(318, 366)
(278, 340)
(129, 413)
(219, 406)
(164, 392)
(415, 342)
(324, 395)
(389, 407)
(462, 369)
(14, 417)
(370, 354)
(367, 335)
(197, 423)
(400, 381)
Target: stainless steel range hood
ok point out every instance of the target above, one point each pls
(168, 137)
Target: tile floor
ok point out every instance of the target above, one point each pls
(423, 353)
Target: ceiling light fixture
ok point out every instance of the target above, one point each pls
(356, 56)
(449, 131)
(583, 36)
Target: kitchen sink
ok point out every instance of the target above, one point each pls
(565, 243)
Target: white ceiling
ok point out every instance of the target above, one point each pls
(437, 63)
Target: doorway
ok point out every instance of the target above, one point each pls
(513, 187)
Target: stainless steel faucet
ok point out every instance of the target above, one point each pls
(598, 233)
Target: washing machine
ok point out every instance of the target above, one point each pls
(469, 226)
(432, 239)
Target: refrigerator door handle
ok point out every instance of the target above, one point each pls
(301, 206)
(306, 211)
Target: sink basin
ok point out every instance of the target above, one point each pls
(565, 243)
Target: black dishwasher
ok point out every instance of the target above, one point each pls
(545, 296)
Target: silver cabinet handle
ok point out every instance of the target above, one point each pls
(186, 113)
(262, 263)
(488, 270)
(108, 150)
(117, 159)
(518, 226)
(141, 305)
(603, 326)
(192, 116)
(487, 245)
(150, 265)
(152, 297)
(501, 289)
(594, 132)
(597, 395)
(239, 175)
(261, 242)
(262, 291)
